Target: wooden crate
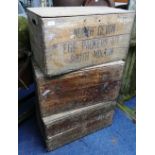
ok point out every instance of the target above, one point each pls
(64, 128)
(65, 39)
(78, 89)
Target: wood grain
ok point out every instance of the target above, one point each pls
(78, 89)
(60, 129)
(58, 30)
(78, 132)
(64, 44)
(59, 123)
(85, 128)
(60, 61)
(74, 11)
(36, 41)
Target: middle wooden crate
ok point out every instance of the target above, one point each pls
(78, 89)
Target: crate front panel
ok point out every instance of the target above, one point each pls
(85, 128)
(78, 89)
(56, 124)
(70, 43)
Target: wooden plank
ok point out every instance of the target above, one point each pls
(128, 86)
(58, 30)
(78, 89)
(87, 53)
(74, 11)
(65, 44)
(36, 41)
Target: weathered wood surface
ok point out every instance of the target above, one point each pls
(128, 87)
(75, 11)
(86, 53)
(78, 89)
(56, 124)
(64, 44)
(79, 131)
(36, 40)
(64, 128)
(70, 28)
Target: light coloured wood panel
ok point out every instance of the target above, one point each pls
(58, 30)
(70, 56)
(73, 11)
(65, 44)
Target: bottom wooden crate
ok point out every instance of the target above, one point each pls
(64, 128)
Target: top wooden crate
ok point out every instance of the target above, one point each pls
(64, 39)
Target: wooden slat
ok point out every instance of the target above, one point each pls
(86, 53)
(58, 30)
(73, 11)
(36, 41)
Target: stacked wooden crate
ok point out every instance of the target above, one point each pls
(78, 68)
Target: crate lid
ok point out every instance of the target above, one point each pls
(74, 11)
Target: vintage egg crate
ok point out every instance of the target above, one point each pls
(63, 128)
(78, 89)
(64, 39)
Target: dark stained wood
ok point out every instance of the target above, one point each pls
(80, 131)
(78, 89)
(63, 128)
(59, 123)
